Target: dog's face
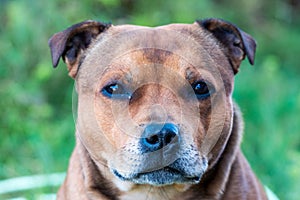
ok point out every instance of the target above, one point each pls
(154, 104)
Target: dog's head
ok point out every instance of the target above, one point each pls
(154, 104)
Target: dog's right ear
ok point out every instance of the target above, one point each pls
(237, 44)
(71, 43)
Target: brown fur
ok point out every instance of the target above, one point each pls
(158, 65)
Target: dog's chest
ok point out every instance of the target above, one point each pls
(150, 193)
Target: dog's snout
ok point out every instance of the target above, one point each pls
(157, 136)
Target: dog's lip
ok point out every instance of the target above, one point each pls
(166, 170)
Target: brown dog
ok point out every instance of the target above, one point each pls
(156, 118)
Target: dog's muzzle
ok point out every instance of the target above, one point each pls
(165, 161)
(176, 173)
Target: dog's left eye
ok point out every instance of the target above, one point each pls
(115, 91)
(201, 90)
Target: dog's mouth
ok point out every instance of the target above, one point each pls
(165, 176)
(188, 168)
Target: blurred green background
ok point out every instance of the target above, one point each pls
(37, 126)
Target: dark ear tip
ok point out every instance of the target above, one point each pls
(55, 58)
(251, 60)
(55, 65)
(251, 55)
(250, 46)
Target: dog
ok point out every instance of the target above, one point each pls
(156, 119)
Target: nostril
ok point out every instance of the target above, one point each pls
(154, 139)
(169, 137)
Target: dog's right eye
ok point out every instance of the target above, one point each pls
(115, 91)
(202, 90)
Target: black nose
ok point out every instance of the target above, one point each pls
(156, 136)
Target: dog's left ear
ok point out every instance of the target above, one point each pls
(71, 43)
(237, 44)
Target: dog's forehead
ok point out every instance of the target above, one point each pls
(180, 43)
(174, 27)
(180, 39)
(160, 36)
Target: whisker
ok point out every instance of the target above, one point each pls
(148, 193)
(164, 194)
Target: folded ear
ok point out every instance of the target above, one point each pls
(237, 44)
(71, 43)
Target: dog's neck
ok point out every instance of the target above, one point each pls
(210, 186)
(101, 183)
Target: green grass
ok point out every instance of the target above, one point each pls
(271, 137)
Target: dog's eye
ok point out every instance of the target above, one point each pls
(115, 91)
(201, 90)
